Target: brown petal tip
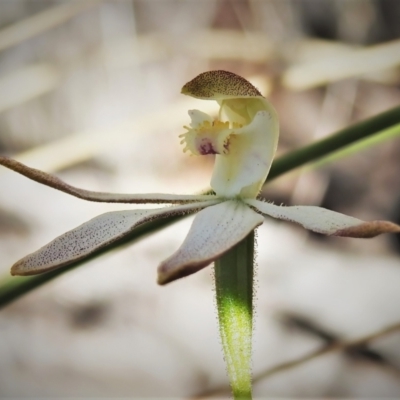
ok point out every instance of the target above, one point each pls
(21, 269)
(18, 270)
(168, 273)
(369, 229)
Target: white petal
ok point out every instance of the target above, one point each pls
(243, 171)
(198, 118)
(324, 221)
(101, 197)
(214, 231)
(91, 236)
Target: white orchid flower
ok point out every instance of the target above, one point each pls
(244, 139)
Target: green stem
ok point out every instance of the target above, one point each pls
(234, 279)
(13, 288)
(338, 140)
(358, 146)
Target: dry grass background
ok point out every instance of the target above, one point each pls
(90, 90)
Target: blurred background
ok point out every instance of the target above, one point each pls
(90, 91)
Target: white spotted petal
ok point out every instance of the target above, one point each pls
(93, 235)
(327, 222)
(214, 231)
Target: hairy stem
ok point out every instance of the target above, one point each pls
(234, 278)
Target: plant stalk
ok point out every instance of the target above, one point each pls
(234, 280)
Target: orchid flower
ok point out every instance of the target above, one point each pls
(244, 139)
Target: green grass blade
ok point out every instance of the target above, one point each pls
(336, 141)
